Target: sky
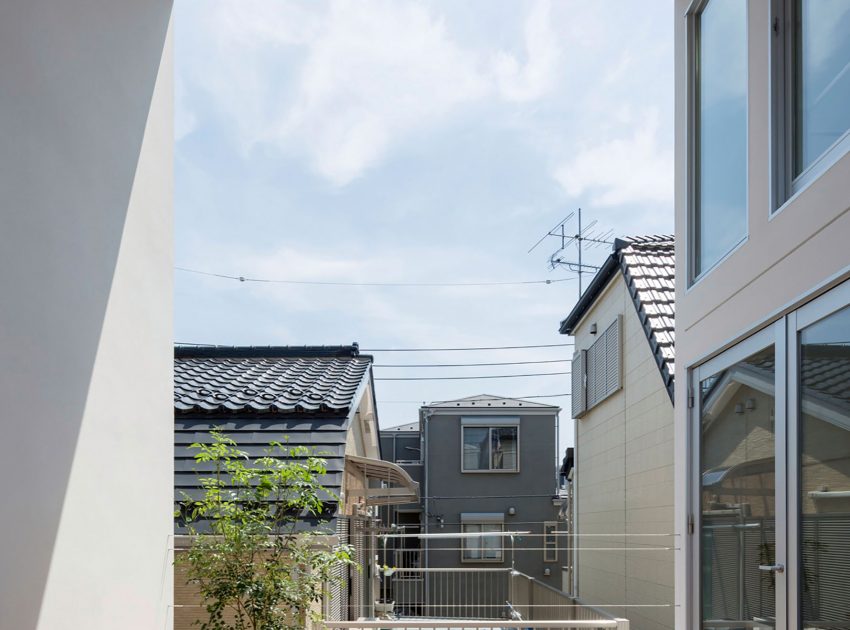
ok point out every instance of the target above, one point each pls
(398, 141)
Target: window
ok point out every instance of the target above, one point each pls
(770, 474)
(477, 546)
(812, 55)
(719, 156)
(596, 371)
(490, 448)
(550, 541)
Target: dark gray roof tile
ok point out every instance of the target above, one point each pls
(267, 380)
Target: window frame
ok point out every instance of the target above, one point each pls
(489, 426)
(465, 542)
(554, 544)
(785, 137)
(693, 16)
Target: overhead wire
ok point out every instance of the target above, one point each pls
(453, 365)
(369, 284)
(546, 345)
(463, 378)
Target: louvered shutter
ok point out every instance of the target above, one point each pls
(579, 397)
(612, 358)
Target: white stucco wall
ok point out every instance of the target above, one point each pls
(788, 258)
(85, 319)
(624, 477)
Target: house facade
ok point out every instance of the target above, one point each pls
(762, 422)
(490, 465)
(86, 180)
(622, 402)
(321, 397)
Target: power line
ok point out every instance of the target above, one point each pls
(550, 345)
(445, 365)
(463, 378)
(370, 284)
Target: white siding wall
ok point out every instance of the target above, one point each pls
(788, 258)
(85, 317)
(624, 465)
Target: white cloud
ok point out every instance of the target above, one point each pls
(633, 168)
(358, 77)
(523, 83)
(376, 71)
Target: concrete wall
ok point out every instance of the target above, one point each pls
(493, 492)
(788, 258)
(624, 476)
(85, 319)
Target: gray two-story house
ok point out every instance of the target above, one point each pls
(487, 466)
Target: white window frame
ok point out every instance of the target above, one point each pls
(692, 81)
(785, 186)
(550, 548)
(490, 425)
(469, 542)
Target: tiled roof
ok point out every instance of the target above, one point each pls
(277, 380)
(489, 400)
(648, 266)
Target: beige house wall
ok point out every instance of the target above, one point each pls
(789, 257)
(624, 476)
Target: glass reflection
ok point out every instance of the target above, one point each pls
(721, 200)
(825, 473)
(823, 77)
(737, 465)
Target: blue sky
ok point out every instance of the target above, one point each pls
(411, 141)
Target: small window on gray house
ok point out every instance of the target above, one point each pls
(597, 371)
(490, 448)
(477, 546)
(550, 541)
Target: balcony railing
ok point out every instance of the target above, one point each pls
(434, 624)
(482, 593)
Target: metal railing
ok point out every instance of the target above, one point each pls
(480, 593)
(434, 624)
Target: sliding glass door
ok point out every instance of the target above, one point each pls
(770, 476)
(739, 480)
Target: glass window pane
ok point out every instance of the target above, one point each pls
(491, 545)
(476, 452)
(721, 187)
(737, 465)
(471, 546)
(824, 463)
(504, 448)
(823, 77)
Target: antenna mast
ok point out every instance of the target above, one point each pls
(584, 237)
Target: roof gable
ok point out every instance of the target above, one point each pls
(648, 266)
(488, 401)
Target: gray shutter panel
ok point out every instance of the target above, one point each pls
(579, 397)
(612, 358)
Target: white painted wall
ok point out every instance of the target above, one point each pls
(787, 259)
(624, 476)
(85, 319)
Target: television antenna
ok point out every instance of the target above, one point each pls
(585, 237)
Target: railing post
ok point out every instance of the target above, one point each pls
(622, 624)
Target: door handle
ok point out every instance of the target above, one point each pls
(774, 568)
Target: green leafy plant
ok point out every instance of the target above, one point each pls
(254, 568)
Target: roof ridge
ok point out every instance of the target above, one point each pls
(267, 352)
